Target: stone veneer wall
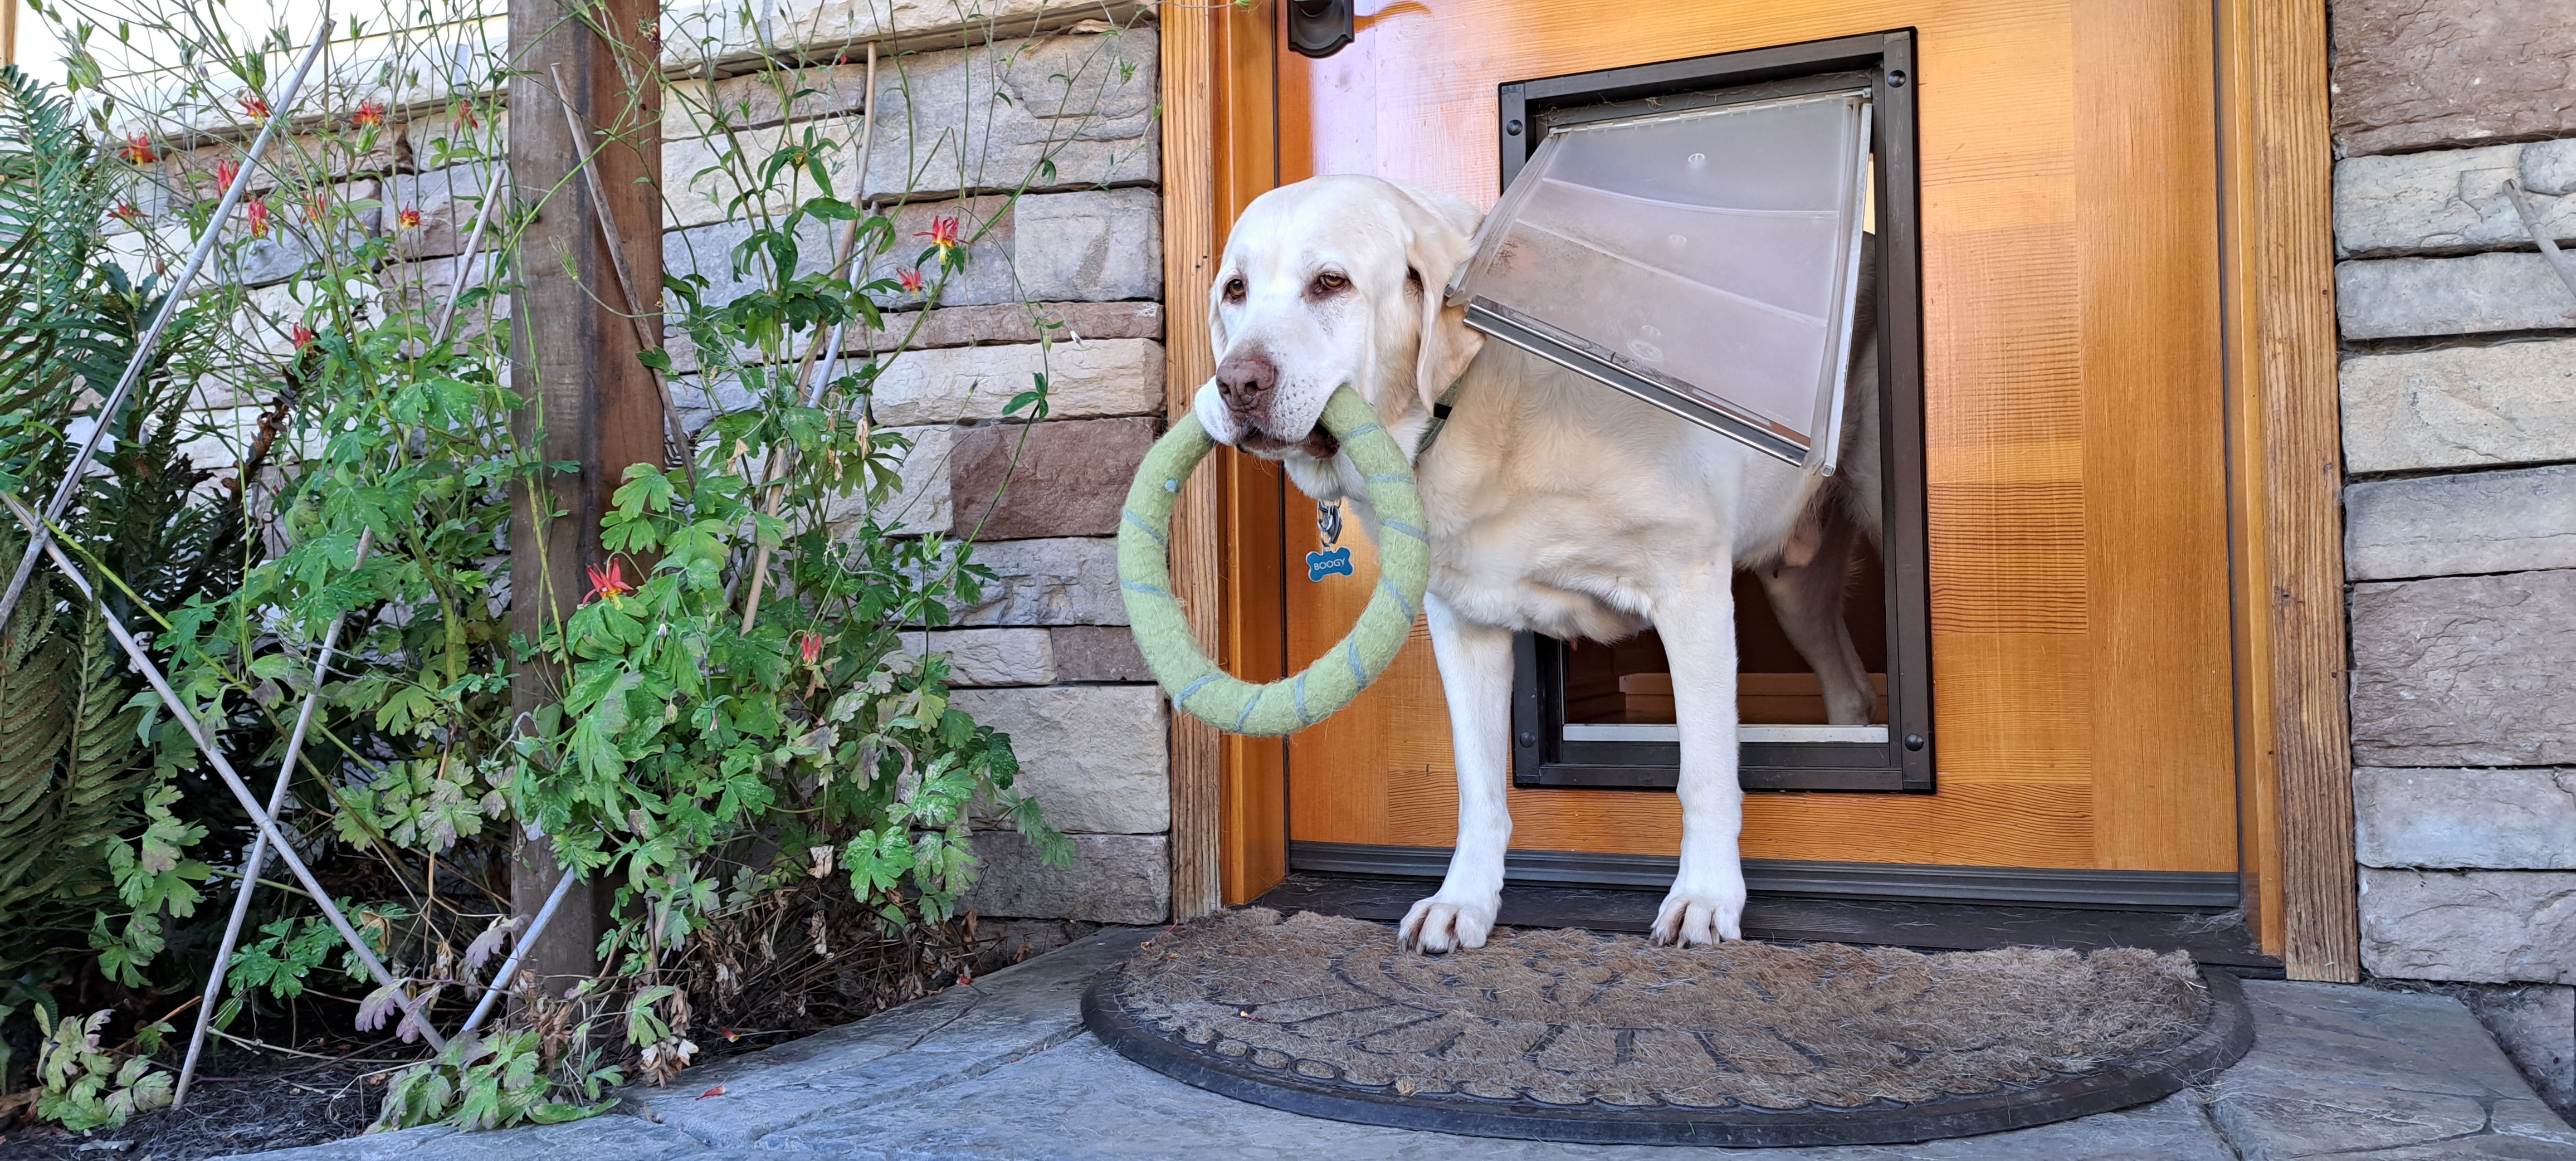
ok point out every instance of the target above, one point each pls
(2459, 413)
(1046, 656)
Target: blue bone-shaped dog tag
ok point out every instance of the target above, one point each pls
(1323, 564)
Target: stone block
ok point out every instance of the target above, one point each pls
(294, 244)
(2536, 1026)
(448, 200)
(456, 134)
(2493, 927)
(718, 178)
(922, 505)
(1058, 322)
(1057, 112)
(2451, 199)
(991, 657)
(1069, 479)
(2480, 819)
(2409, 74)
(692, 107)
(1115, 878)
(295, 161)
(696, 33)
(1065, 581)
(2390, 298)
(2514, 521)
(1085, 380)
(1090, 245)
(2460, 407)
(1095, 245)
(1098, 653)
(961, 326)
(1094, 756)
(707, 251)
(2465, 671)
(425, 286)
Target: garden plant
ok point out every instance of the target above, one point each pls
(741, 737)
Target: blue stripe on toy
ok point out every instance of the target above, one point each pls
(1357, 674)
(1194, 687)
(1140, 587)
(1392, 591)
(1407, 529)
(1147, 529)
(1391, 478)
(1361, 430)
(1299, 689)
(1246, 715)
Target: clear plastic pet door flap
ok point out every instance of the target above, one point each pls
(1704, 261)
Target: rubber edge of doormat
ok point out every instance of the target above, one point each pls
(2224, 1040)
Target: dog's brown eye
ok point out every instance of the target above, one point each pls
(1234, 290)
(1328, 282)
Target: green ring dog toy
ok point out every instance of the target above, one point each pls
(1163, 633)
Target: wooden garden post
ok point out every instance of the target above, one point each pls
(574, 352)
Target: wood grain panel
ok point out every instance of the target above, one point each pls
(2155, 472)
(2074, 426)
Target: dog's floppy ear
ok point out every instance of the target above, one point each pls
(1441, 236)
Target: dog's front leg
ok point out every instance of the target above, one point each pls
(1476, 674)
(1697, 623)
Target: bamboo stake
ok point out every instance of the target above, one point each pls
(615, 238)
(2531, 223)
(831, 349)
(304, 717)
(510, 967)
(42, 534)
(465, 261)
(232, 780)
(259, 845)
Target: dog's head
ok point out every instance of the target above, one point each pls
(1333, 281)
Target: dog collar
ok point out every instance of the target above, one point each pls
(1439, 419)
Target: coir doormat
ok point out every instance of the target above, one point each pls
(1576, 1036)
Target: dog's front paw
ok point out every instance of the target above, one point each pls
(1696, 918)
(1444, 921)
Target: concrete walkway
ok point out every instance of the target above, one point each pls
(1003, 1069)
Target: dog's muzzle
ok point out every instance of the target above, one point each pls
(1244, 427)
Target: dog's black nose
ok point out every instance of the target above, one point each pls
(1245, 380)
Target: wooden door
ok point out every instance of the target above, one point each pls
(2074, 428)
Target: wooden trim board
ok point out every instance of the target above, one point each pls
(2294, 751)
(1229, 798)
(1190, 149)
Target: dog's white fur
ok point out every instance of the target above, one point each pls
(1556, 505)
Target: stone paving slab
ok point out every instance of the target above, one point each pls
(1002, 1069)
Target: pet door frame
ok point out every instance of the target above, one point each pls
(1542, 756)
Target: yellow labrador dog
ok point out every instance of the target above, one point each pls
(1556, 505)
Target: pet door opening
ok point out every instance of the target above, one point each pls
(1703, 260)
(1748, 220)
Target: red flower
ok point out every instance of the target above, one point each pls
(138, 150)
(369, 115)
(254, 106)
(318, 206)
(304, 336)
(609, 582)
(810, 647)
(126, 213)
(225, 172)
(465, 117)
(257, 213)
(942, 233)
(407, 218)
(909, 278)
